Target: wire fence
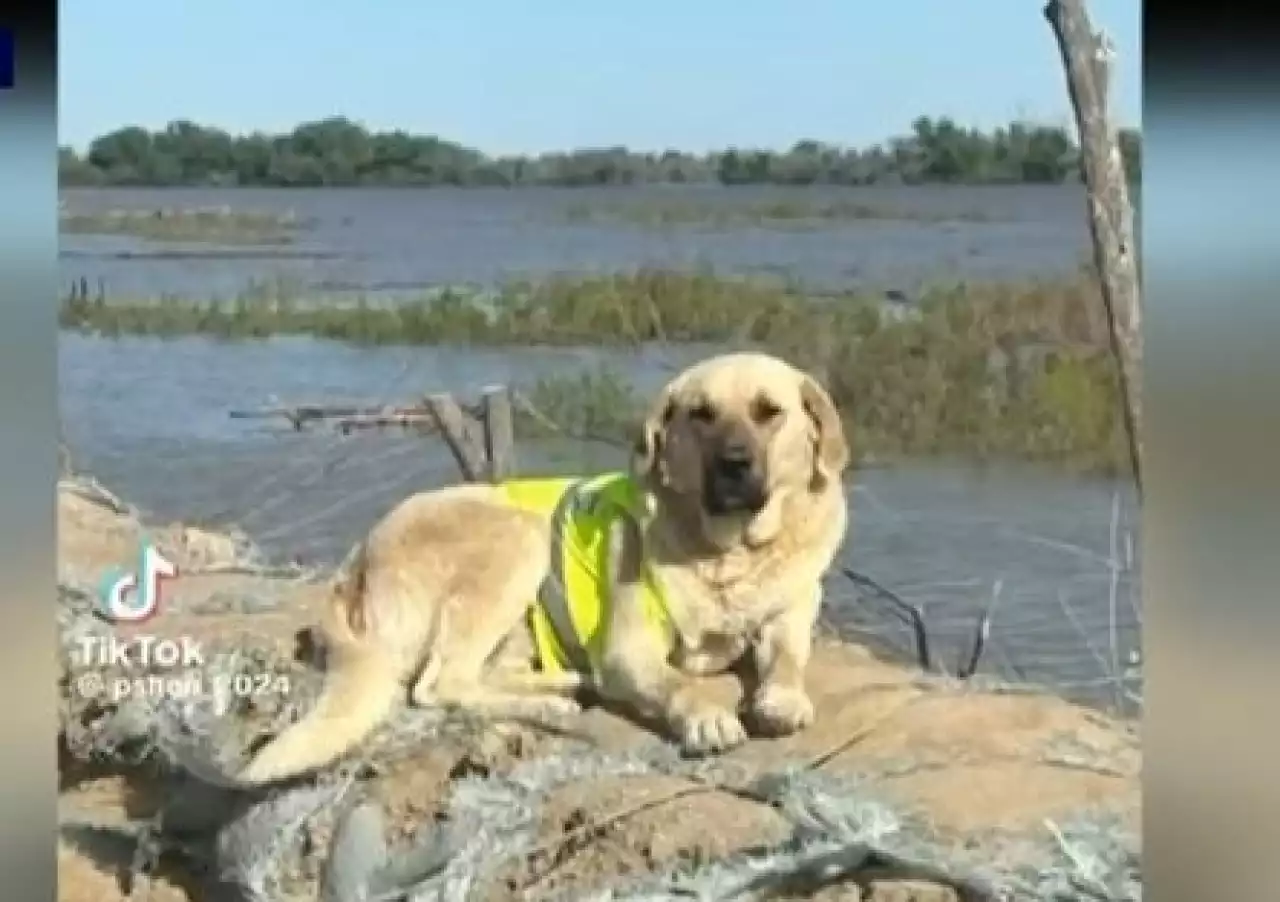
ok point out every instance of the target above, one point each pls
(1027, 597)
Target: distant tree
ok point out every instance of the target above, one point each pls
(75, 170)
(339, 151)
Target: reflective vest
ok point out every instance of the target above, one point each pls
(569, 617)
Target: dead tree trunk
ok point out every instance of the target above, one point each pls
(1086, 57)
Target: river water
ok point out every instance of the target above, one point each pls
(397, 241)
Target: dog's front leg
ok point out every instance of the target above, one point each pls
(636, 669)
(635, 672)
(779, 704)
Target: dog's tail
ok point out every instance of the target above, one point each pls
(362, 684)
(356, 698)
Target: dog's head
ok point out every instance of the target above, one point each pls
(734, 434)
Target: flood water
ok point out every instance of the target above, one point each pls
(151, 418)
(398, 241)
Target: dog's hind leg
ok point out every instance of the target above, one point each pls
(474, 671)
(524, 680)
(514, 669)
(533, 700)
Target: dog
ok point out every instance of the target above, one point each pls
(511, 599)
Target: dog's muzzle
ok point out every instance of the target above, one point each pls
(733, 483)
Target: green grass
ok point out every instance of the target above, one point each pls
(984, 371)
(215, 225)
(777, 214)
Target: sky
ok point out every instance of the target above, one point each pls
(506, 76)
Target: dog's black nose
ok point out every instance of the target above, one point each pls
(734, 460)
(735, 482)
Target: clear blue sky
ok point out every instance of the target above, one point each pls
(509, 76)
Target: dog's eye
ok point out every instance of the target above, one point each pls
(703, 413)
(764, 410)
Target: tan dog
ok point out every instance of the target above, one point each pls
(739, 471)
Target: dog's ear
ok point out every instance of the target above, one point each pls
(831, 448)
(652, 433)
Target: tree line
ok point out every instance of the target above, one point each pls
(340, 152)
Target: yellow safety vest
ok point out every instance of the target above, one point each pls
(568, 619)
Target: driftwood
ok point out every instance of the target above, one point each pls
(348, 416)
(481, 436)
(1086, 57)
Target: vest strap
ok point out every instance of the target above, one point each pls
(553, 594)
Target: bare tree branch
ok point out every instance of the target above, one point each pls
(1086, 57)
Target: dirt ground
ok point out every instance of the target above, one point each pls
(972, 761)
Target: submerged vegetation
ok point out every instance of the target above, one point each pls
(1002, 370)
(340, 152)
(216, 225)
(790, 214)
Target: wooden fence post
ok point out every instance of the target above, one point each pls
(461, 433)
(483, 446)
(499, 431)
(1086, 57)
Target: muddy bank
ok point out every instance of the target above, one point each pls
(907, 787)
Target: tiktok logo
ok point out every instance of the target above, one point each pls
(135, 597)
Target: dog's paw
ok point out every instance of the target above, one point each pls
(779, 711)
(709, 729)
